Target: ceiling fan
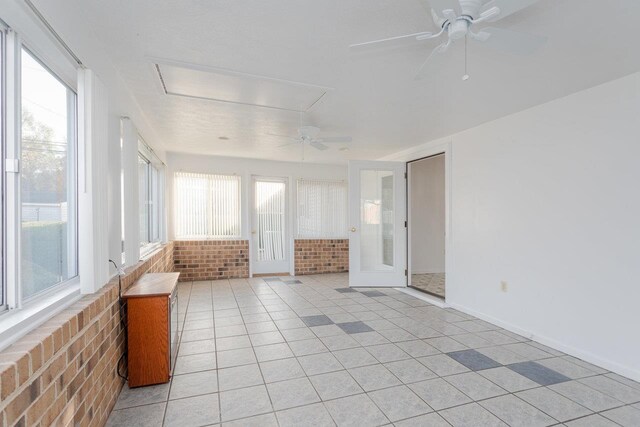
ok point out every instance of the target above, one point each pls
(309, 135)
(459, 19)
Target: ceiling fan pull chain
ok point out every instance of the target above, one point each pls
(466, 74)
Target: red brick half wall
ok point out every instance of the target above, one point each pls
(211, 259)
(321, 256)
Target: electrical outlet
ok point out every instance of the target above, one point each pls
(503, 286)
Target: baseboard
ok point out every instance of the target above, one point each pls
(625, 371)
(270, 274)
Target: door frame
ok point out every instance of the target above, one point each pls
(378, 279)
(425, 153)
(288, 246)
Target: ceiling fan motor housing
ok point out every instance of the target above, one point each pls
(460, 27)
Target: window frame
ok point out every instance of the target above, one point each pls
(154, 200)
(18, 314)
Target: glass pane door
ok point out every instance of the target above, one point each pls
(270, 247)
(377, 247)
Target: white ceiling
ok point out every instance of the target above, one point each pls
(375, 98)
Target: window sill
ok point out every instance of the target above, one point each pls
(18, 322)
(147, 251)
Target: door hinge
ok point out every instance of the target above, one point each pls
(405, 224)
(12, 165)
(406, 272)
(405, 175)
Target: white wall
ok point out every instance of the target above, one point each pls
(427, 215)
(179, 162)
(548, 200)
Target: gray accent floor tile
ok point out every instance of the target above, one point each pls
(471, 415)
(193, 411)
(399, 403)
(292, 393)
(193, 384)
(439, 394)
(345, 290)
(319, 320)
(516, 412)
(374, 377)
(373, 293)
(473, 360)
(315, 415)
(355, 327)
(138, 396)
(335, 384)
(142, 416)
(244, 403)
(538, 373)
(554, 404)
(475, 386)
(356, 410)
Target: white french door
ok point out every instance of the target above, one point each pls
(377, 214)
(269, 231)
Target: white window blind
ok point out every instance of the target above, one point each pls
(322, 209)
(207, 206)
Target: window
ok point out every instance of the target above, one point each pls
(207, 206)
(149, 200)
(322, 209)
(48, 228)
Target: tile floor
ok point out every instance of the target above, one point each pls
(433, 283)
(313, 352)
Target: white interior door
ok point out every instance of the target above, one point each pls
(270, 247)
(377, 214)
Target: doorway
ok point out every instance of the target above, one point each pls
(269, 233)
(426, 203)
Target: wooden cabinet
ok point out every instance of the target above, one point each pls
(152, 328)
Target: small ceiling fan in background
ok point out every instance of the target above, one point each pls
(309, 135)
(459, 19)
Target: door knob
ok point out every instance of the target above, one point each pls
(353, 229)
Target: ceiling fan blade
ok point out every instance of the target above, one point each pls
(331, 139)
(318, 146)
(424, 68)
(512, 42)
(441, 5)
(391, 41)
(507, 7)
